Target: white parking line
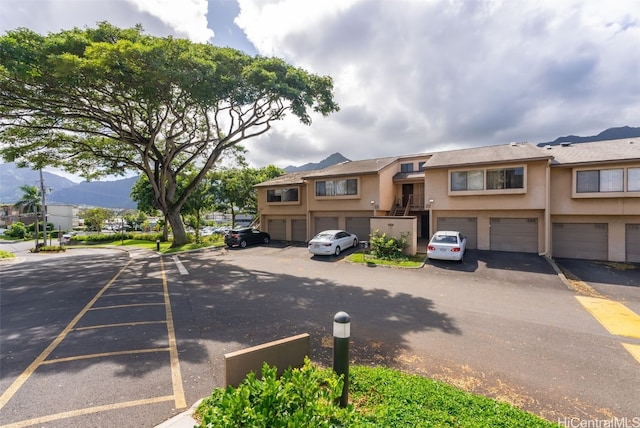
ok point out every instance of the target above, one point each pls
(183, 270)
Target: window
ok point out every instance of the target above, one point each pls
(633, 180)
(605, 180)
(467, 180)
(505, 178)
(488, 179)
(286, 194)
(406, 167)
(337, 187)
(420, 165)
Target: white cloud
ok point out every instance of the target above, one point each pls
(410, 75)
(188, 17)
(414, 75)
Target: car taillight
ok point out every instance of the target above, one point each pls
(456, 249)
(431, 248)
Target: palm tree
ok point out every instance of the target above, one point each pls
(31, 199)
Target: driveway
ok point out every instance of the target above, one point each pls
(501, 324)
(616, 280)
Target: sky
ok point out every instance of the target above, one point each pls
(410, 76)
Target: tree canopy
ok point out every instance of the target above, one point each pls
(107, 100)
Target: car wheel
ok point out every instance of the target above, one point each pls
(355, 243)
(461, 258)
(243, 243)
(337, 252)
(265, 240)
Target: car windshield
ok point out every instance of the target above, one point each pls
(445, 239)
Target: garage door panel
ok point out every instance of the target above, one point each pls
(514, 234)
(632, 243)
(359, 226)
(299, 230)
(468, 226)
(587, 241)
(324, 223)
(277, 229)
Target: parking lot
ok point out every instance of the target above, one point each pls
(501, 324)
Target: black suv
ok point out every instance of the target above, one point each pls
(245, 236)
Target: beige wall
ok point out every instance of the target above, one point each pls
(385, 200)
(286, 208)
(563, 202)
(437, 188)
(368, 188)
(396, 226)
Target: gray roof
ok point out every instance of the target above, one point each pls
(515, 152)
(368, 166)
(285, 179)
(596, 152)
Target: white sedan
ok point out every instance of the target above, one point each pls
(332, 242)
(447, 245)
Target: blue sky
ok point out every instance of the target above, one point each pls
(410, 76)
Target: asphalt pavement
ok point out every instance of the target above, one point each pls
(501, 324)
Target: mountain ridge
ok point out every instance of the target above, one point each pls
(116, 194)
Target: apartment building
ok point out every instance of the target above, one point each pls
(570, 200)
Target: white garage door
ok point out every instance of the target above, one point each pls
(580, 241)
(632, 243)
(359, 226)
(324, 223)
(468, 226)
(514, 234)
(299, 230)
(277, 229)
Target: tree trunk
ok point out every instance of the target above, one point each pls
(179, 234)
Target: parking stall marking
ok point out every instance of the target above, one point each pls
(178, 396)
(614, 316)
(183, 270)
(20, 380)
(87, 411)
(633, 350)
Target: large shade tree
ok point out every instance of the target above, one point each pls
(106, 100)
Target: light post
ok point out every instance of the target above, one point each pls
(341, 334)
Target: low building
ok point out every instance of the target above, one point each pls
(571, 200)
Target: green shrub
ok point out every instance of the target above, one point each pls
(111, 237)
(301, 397)
(17, 230)
(388, 248)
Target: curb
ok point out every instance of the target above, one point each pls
(182, 420)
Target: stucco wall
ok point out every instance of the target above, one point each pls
(396, 226)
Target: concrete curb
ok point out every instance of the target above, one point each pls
(182, 420)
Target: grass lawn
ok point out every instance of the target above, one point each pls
(366, 258)
(165, 247)
(390, 398)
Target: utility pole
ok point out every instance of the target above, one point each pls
(44, 210)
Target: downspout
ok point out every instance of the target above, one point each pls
(308, 211)
(547, 212)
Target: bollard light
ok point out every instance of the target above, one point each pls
(157, 245)
(341, 334)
